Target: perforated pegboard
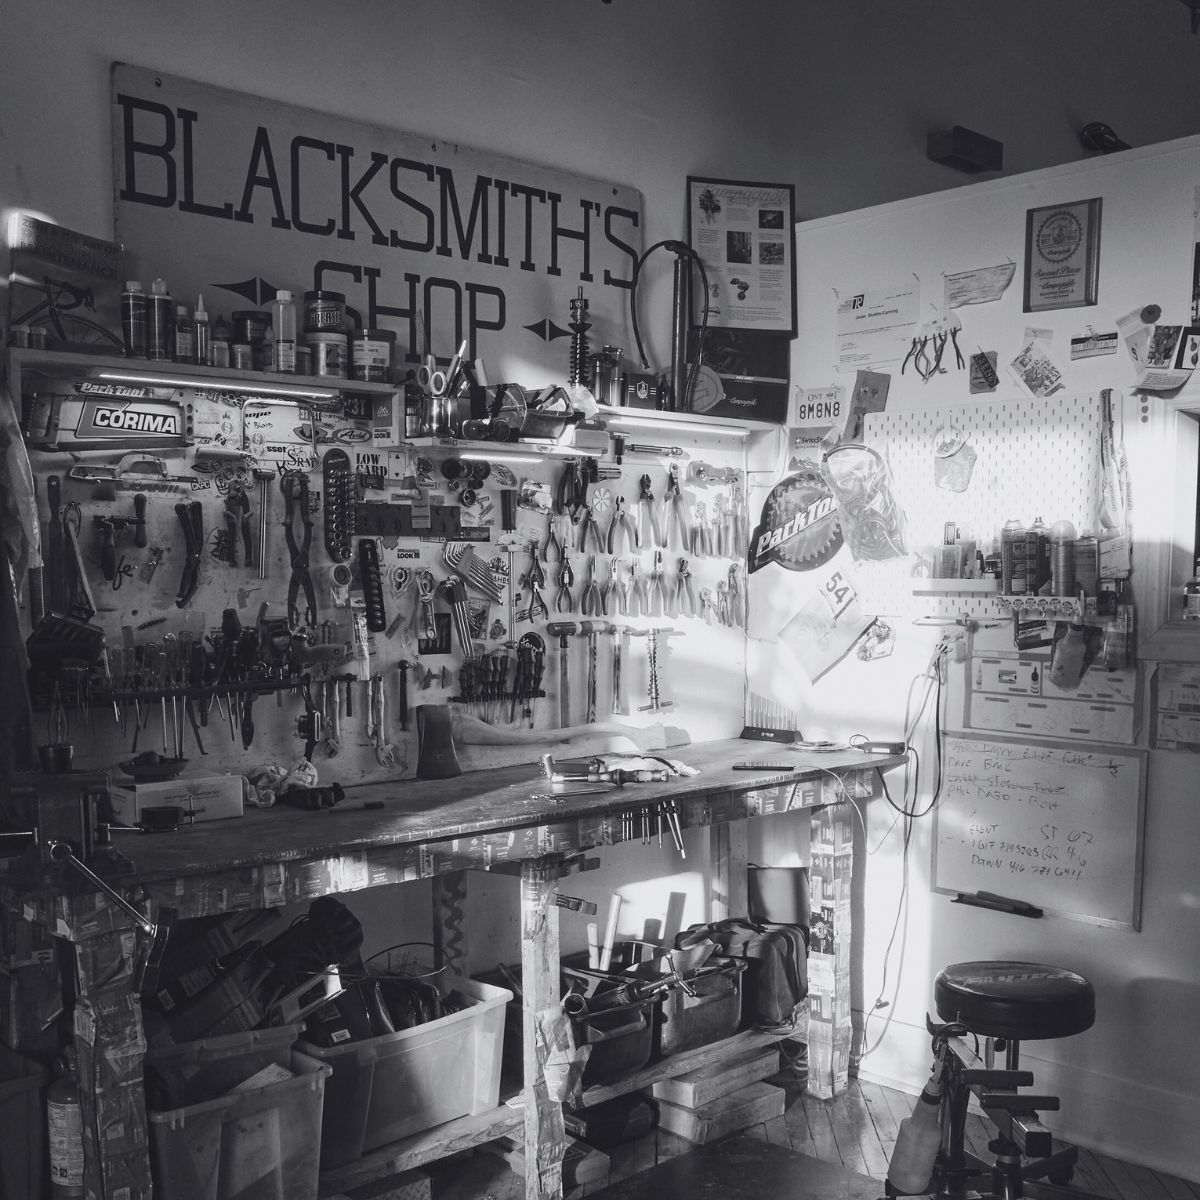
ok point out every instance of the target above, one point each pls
(1035, 458)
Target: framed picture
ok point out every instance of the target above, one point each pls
(744, 235)
(1062, 255)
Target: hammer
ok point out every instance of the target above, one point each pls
(591, 629)
(264, 477)
(563, 630)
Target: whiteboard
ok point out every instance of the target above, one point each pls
(1055, 825)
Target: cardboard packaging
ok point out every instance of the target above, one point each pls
(203, 798)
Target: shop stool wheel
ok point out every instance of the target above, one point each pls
(1003, 1003)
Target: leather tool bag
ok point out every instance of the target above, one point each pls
(776, 958)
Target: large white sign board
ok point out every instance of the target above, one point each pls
(235, 196)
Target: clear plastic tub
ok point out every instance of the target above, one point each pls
(23, 1086)
(386, 1088)
(193, 1072)
(262, 1144)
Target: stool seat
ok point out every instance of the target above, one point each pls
(1022, 1001)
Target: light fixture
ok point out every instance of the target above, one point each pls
(669, 422)
(270, 389)
(482, 456)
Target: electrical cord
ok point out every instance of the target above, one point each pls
(676, 247)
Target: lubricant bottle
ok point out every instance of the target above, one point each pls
(64, 1120)
(283, 324)
(185, 336)
(911, 1167)
(160, 319)
(203, 332)
(133, 319)
(1067, 668)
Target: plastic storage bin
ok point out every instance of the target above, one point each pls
(193, 1072)
(257, 1145)
(386, 1088)
(23, 1086)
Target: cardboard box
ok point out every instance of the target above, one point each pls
(748, 1106)
(701, 1086)
(205, 797)
(581, 1163)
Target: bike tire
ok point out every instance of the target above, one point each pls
(78, 335)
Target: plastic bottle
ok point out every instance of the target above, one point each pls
(917, 1140)
(184, 350)
(283, 325)
(64, 1121)
(1062, 559)
(1067, 668)
(133, 319)
(218, 351)
(203, 333)
(160, 317)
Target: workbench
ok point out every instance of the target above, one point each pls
(504, 819)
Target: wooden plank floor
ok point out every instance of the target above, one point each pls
(858, 1129)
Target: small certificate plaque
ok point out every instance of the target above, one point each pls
(1062, 255)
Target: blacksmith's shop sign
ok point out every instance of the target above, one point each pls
(234, 196)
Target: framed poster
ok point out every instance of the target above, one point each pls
(1062, 255)
(744, 235)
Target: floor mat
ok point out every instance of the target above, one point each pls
(742, 1166)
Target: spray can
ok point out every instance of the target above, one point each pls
(1037, 557)
(1087, 564)
(133, 319)
(917, 1140)
(64, 1120)
(160, 317)
(203, 333)
(1012, 558)
(1062, 559)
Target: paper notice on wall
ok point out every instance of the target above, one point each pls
(1176, 700)
(1034, 370)
(980, 286)
(1164, 356)
(876, 326)
(823, 631)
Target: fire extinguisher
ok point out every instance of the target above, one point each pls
(64, 1118)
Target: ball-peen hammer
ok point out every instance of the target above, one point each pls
(563, 630)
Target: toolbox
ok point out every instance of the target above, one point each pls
(621, 1039)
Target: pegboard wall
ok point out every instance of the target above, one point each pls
(1034, 458)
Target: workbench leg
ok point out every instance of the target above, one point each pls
(727, 856)
(110, 1045)
(540, 991)
(449, 929)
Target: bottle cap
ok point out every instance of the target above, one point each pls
(159, 287)
(133, 285)
(200, 305)
(283, 294)
(181, 310)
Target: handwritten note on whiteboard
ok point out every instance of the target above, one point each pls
(1056, 825)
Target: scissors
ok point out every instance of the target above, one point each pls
(431, 379)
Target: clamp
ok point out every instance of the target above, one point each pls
(191, 517)
(295, 492)
(237, 516)
(563, 600)
(685, 598)
(590, 603)
(647, 517)
(622, 523)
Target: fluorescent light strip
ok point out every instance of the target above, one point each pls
(668, 423)
(481, 456)
(250, 389)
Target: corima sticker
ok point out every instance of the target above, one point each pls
(129, 421)
(799, 528)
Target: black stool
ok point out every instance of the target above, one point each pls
(1004, 1003)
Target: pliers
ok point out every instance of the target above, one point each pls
(191, 517)
(678, 534)
(623, 523)
(571, 497)
(590, 604)
(295, 492)
(622, 585)
(556, 542)
(651, 531)
(659, 601)
(640, 590)
(737, 608)
(610, 585)
(237, 518)
(563, 600)
(685, 598)
(702, 539)
(534, 581)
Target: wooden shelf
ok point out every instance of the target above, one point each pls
(450, 1138)
(59, 363)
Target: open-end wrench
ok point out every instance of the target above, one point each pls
(329, 705)
(385, 753)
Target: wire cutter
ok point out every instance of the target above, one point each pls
(295, 491)
(563, 600)
(191, 517)
(237, 517)
(685, 598)
(622, 523)
(678, 535)
(651, 531)
(590, 603)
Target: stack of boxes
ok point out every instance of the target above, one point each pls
(829, 1025)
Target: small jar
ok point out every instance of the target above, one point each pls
(303, 360)
(328, 352)
(241, 356)
(371, 355)
(324, 312)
